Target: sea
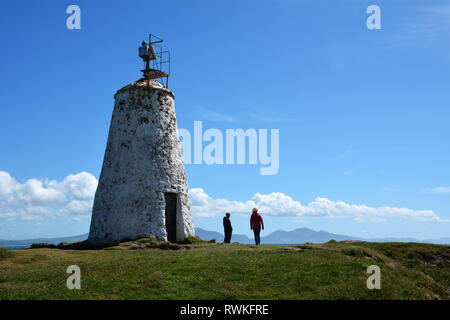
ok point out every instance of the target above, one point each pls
(14, 247)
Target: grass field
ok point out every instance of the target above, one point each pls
(218, 271)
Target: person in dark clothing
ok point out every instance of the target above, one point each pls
(256, 222)
(228, 229)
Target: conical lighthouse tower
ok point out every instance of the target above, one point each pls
(142, 187)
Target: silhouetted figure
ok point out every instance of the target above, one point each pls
(228, 229)
(256, 222)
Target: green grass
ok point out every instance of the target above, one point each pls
(217, 271)
(6, 253)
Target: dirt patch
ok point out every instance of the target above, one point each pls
(292, 249)
(305, 247)
(164, 245)
(433, 257)
(82, 245)
(356, 252)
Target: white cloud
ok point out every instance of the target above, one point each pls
(440, 190)
(390, 190)
(343, 155)
(279, 204)
(211, 115)
(72, 198)
(263, 116)
(81, 186)
(421, 27)
(35, 199)
(351, 172)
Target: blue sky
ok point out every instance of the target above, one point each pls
(363, 115)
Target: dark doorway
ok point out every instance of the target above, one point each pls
(171, 216)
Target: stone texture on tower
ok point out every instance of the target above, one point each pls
(142, 187)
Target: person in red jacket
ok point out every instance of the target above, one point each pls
(256, 222)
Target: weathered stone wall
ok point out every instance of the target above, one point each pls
(142, 161)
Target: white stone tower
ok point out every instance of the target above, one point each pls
(142, 187)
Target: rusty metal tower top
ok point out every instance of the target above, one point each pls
(157, 62)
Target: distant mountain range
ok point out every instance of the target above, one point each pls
(296, 236)
(303, 235)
